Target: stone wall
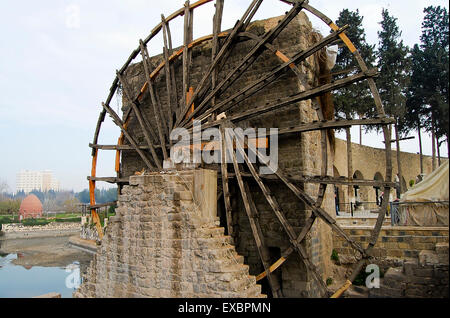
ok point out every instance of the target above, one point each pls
(165, 242)
(371, 162)
(423, 277)
(297, 155)
(401, 242)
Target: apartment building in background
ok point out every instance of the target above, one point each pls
(28, 181)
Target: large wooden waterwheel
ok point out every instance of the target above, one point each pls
(210, 96)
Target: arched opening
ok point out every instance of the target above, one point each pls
(378, 191)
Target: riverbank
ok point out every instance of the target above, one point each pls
(18, 231)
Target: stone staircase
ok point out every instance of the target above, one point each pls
(161, 245)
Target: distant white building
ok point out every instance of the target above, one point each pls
(28, 181)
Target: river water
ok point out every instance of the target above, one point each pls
(17, 281)
(35, 267)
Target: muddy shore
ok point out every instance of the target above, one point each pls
(44, 251)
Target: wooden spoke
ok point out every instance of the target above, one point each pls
(309, 94)
(217, 25)
(130, 139)
(137, 111)
(156, 105)
(254, 222)
(171, 96)
(225, 187)
(276, 208)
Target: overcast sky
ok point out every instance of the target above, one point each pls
(58, 59)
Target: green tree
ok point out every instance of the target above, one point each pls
(427, 99)
(393, 64)
(355, 99)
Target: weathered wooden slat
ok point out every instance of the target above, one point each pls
(186, 61)
(254, 224)
(119, 147)
(137, 112)
(277, 210)
(248, 60)
(228, 42)
(265, 80)
(263, 250)
(217, 25)
(225, 187)
(130, 139)
(320, 179)
(156, 106)
(109, 179)
(281, 103)
(169, 80)
(103, 205)
(305, 198)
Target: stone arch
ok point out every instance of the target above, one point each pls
(377, 189)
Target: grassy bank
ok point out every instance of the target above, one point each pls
(7, 219)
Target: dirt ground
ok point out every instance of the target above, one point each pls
(47, 252)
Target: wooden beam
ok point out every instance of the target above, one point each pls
(254, 223)
(305, 198)
(103, 205)
(263, 249)
(130, 139)
(156, 106)
(109, 179)
(265, 80)
(277, 210)
(169, 80)
(119, 147)
(225, 187)
(288, 101)
(137, 112)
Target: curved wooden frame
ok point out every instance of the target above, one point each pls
(287, 62)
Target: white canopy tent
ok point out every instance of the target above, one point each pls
(426, 204)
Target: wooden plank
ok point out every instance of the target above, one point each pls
(137, 112)
(277, 210)
(263, 249)
(103, 205)
(158, 119)
(217, 25)
(119, 147)
(225, 187)
(130, 139)
(169, 80)
(254, 224)
(109, 179)
(186, 61)
(320, 179)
